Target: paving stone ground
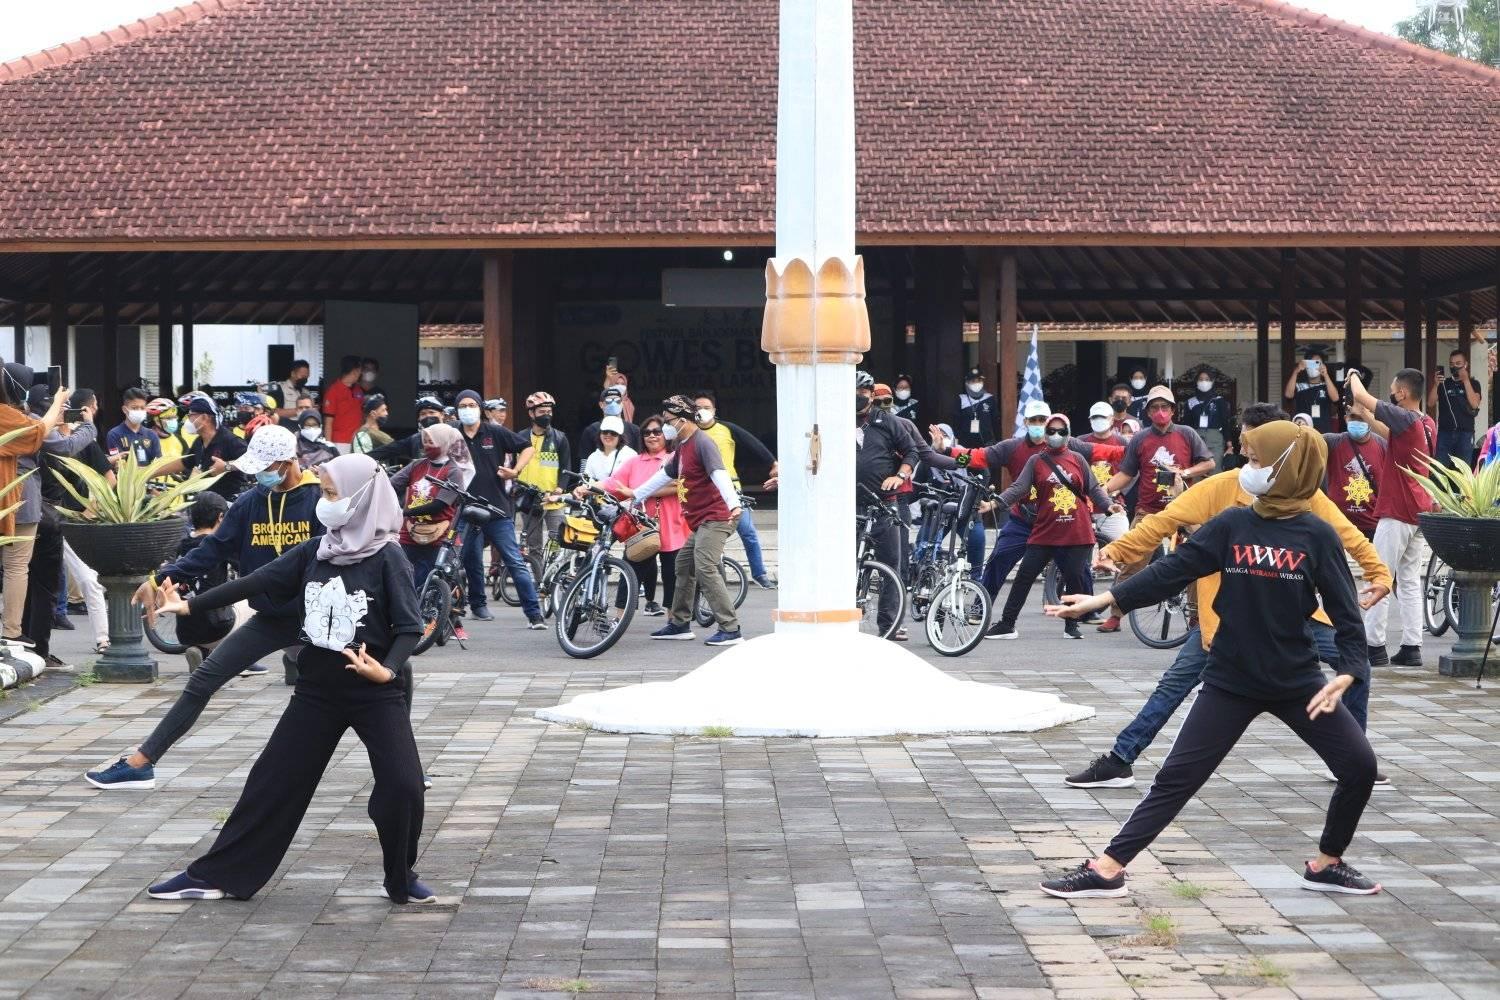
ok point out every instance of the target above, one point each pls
(644, 866)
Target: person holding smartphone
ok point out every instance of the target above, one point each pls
(1455, 395)
(1310, 389)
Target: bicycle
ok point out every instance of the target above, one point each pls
(1166, 624)
(736, 580)
(959, 607)
(502, 583)
(596, 606)
(873, 577)
(446, 585)
(1437, 581)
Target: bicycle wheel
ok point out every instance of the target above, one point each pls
(596, 608)
(163, 634)
(735, 581)
(874, 579)
(1051, 584)
(435, 607)
(1435, 585)
(958, 616)
(505, 584)
(1163, 625)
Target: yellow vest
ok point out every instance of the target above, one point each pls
(543, 469)
(172, 448)
(719, 435)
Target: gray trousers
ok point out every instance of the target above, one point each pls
(535, 529)
(700, 565)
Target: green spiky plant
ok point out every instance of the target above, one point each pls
(5, 493)
(128, 500)
(1459, 490)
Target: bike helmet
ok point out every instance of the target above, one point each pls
(539, 398)
(158, 407)
(864, 380)
(429, 403)
(497, 403)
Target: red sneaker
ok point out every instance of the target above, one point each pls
(1110, 624)
(459, 633)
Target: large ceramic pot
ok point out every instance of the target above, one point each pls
(123, 555)
(1468, 544)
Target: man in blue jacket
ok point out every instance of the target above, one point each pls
(276, 514)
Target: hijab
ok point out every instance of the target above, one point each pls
(375, 514)
(455, 449)
(1300, 456)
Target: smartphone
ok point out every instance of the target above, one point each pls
(54, 379)
(612, 365)
(74, 415)
(1165, 477)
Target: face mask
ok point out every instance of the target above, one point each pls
(1099, 424)
(335, 513)
(669, 431)
(1161, 418)
(1205, 385)
(1313, 368)
(704, 417)
(469, 416)
(1119, 405)
(1394, 400)
(1359, 430)
(136, 417)
(861, 403)
(947, 444)
(380, 421)
(170, 426)
(544, 421)
(269, 478)
(1055, 439)
(1455, 371)
(903, 394)
(429, 421)
(311, 433)
(976, 389)
(368, 378)
(613, 409)
(299, 382)
(1035, 431)
(432, 451)
(1137, 384)
(1258, 482)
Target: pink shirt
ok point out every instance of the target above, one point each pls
(667, 510)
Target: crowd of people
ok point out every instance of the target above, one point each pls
(329, 541)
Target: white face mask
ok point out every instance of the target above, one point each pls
(669, 431)
(975, 388)
(311, 433)
(1204, 385)
(1099, 424)
(903, 394)
(1258, 480)
(1137, 384)
(368, 378)
(335, 513)
(468, 415)
(136, 417)
(704, 417)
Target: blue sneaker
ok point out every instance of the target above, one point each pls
(723, 638)
(416, 892)
(671, 630)
(255, 670)
(122, 775)
(184, 886)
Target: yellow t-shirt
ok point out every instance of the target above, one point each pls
(719, 435)
(543, 469)
(171, 447)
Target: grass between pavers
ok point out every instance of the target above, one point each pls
(1160, 931)
(717, 732)
(573, 986)
(1190, 890)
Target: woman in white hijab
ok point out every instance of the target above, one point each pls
(360, 623)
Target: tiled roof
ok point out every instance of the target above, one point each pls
(594, 121)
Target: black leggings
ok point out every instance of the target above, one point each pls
(1072, 561)
(1213, 726)
(645, 572)
(280, 787)
(41, 586)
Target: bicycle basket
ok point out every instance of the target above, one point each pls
(528, 501)
(577, 533)
(643, 545)
(624, 528)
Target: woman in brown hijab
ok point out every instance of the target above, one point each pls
(1276, 560)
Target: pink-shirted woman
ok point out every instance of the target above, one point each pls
(665, 507)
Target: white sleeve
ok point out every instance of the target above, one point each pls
(650, 486)
(725, 484)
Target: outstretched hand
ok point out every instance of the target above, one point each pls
(371, 669)
(1078, 605)
(169, 600)
(1372, 595)
(1327, 700)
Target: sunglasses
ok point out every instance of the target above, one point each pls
(648, 431)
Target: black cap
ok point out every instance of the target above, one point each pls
(974, 373)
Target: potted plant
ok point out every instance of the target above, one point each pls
(1464, 532)
(124, 530)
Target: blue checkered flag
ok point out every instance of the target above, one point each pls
(1031, 385)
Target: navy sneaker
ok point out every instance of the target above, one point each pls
(122, 775)
(1338, 877)
(416, 892)
(1084, 882)
(672, 630)
(765, 583)
(184, 886)
(483, 613)
(723, 638)
(255, 670)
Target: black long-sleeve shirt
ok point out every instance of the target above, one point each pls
(882, 446)
(1272, 572)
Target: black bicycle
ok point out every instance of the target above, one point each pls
(446, 586)
(736, 580)
(873, 577)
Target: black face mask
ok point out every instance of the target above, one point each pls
(544, 421)
(861, 403)
(299, 382)
(427, 421)
(1118, 405)
(380, 421)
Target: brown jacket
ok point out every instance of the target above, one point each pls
(27, 444)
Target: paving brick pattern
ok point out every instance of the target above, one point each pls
(755, 868)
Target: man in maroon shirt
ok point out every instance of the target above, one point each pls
(712, 511)
(1411, 438)
(1162, 455)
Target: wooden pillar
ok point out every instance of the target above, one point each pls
(1288, 312)
(1430, 348)
(109, 388)
(57, 313)
(1009, 314)
(499, 323)
(18, 350)
(989, 344)
(187, 352)
(1411, 312)
(1263, 388)
(164, 320)
(1354, 307)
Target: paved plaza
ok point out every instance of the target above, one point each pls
(569, 861)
